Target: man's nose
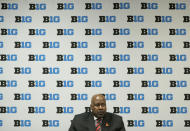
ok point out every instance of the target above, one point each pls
(100, 107)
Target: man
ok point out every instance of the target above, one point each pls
(98, 119)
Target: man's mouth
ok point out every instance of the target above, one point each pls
(100, 113)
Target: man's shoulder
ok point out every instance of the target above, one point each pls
(84, 115)
(109, 114)
(87, 115)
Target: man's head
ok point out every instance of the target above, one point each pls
(98, 105)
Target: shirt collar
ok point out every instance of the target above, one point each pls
(95, 118)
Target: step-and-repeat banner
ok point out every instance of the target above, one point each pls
(56, 54)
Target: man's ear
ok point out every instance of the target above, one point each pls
(91, 107)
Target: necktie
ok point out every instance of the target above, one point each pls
(98, 124)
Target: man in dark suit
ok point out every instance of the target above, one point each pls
(98, 119)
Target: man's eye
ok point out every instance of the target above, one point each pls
(100, 104)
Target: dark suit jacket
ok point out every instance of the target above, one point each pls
(85, 122)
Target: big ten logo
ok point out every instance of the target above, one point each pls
(150, 110)
(1, 44)
(1, 96)
(79, 19)
(79, 70)
(51, 19)
(186, 70)
(37, 110)
(149, 31)
(149, 6)
(107, 44)
(9, 31)
(36, 57)
(149, 83)
(51, 70)
(79, 44)
(163, 19)
(37, 6)
(8, 83)
(135, 44)
(107, 70)
(163, 44)
(22, 96)
(37, 31)
(65, 83)
(65, 6)
(22, 70)
(51, 44)
(93, 31)
(185, 19)
(178, 110)
(125, 5)
(164, 123)
(135, 70)
(164, 70)
(186, 96)
(1, 122)
(22, 123)
(23, 19)
(164, 97)
(121, 83)
(111, 96)
(177, 32)
(135, 123)
(22, 44)
(87, 109)
(177, 6)
(178, 83)
(107, 18)
(178, 57)
(93, 6)
(93, 83)
(69, 57)
(50, 96)
(187, 123)
(67, 110)
(135, 18)
(36, 83)
(121, 31)
(8, 109)
(149, 57)
(121, 57)
(1, 18)
(8, 57)
(186, 44)
(79, 96)
(65, 31)
(121, 110)
(50, 123)
(135, 97)
(1, 70)
(93, 57)
(9, 6)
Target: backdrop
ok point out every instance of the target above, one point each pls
(56, 54)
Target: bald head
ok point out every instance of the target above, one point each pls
(97, 97)
(98, 105)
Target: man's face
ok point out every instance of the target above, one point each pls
(98, 106)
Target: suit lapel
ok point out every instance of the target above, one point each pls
(91, 123)
(106, 123)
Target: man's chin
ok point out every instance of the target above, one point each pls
(101, 115)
